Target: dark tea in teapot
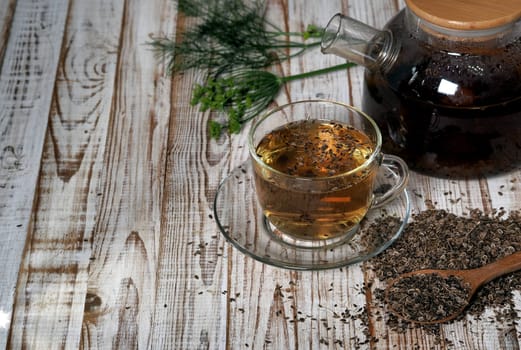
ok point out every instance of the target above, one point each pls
(447, 113)
(446, 93)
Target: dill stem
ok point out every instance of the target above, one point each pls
(281, 33)
(316, 72)
(293, 44)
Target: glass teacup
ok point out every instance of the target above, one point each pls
(315, 165)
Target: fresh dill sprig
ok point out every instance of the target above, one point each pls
(234, 42)
(240, 96)
(230, 34)
(243, 94)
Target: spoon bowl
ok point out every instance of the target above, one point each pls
(471, 280)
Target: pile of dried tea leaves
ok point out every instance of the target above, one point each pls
(437, 239)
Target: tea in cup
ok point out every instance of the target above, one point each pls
(315, 165)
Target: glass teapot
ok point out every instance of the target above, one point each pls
(443, 81)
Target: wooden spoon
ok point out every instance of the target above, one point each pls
(473, 279)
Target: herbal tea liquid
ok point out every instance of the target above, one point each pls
(327, 204)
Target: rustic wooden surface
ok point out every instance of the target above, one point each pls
(107, 178)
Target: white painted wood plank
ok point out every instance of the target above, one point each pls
(123, 250)
(28, 69)
(55, 273)
(128, 231)
(6, 17)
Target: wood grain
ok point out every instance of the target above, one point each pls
(28, 68)
(126, 236)
(107, 181)
(6, 18)
(467, 15)
(58, 255)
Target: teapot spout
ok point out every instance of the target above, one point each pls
(359, 43)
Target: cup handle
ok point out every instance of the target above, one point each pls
(400, 171)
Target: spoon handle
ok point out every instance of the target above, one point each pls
(487, 273)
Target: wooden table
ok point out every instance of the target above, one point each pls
(107, 180)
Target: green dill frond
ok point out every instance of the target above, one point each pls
(191, 8)
(228, 34)
(241, 95)
(201, 8)
(234, 41)
(215, 129)
(312, 31)
(164, 49)
(244, 94)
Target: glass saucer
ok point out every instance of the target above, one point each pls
(241, 221)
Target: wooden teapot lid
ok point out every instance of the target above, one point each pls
(467, 14)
